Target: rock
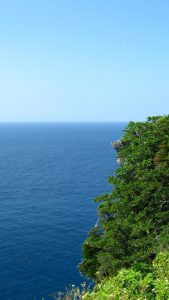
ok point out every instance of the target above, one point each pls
(117, 145)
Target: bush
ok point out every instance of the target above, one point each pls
(151, 283)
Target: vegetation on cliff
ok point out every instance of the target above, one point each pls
(141, 281)
(133, 219)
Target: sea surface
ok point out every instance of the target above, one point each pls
(49, 176)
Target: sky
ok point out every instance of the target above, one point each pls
(83, 60)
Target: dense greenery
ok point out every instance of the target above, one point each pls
(139, 282)
(133, 218)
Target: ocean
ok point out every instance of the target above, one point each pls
(49, 176)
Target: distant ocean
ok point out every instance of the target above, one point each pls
(49, 175)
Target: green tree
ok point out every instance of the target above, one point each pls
(134, 216)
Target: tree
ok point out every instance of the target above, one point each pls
(134, 216)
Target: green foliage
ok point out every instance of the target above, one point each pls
(134, 216)
(143, 283)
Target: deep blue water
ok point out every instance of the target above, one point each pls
(49, 174)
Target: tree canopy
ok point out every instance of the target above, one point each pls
(133, 218)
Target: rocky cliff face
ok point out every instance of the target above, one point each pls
(117, 145)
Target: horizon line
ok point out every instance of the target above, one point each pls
(59, 122)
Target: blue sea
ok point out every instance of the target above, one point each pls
(49, 176)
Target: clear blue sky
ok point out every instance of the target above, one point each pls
(83, 60)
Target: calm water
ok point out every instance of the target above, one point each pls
(49, 174)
